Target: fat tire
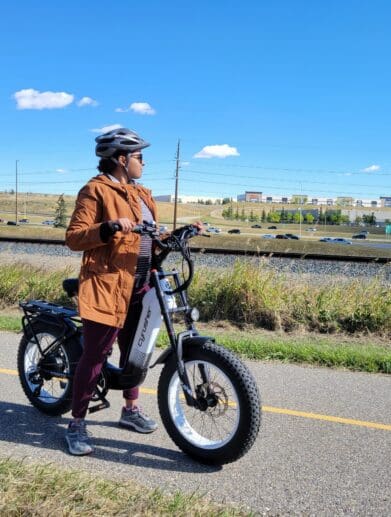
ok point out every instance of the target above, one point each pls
(248, 398)
(73, 350)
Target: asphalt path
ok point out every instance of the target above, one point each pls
(324, 446)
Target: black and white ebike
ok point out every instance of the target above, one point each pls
(208, 400)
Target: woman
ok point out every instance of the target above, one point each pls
(114, 273)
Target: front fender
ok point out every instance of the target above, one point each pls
(187, 342)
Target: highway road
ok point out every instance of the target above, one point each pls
(324, 446)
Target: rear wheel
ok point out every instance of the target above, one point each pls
(226, 422)
(47, 380)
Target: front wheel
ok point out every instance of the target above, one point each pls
(226, 421)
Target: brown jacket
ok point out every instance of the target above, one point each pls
(107, 271)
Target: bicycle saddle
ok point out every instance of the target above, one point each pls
(71, 286)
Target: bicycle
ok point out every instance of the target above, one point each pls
(208, 400)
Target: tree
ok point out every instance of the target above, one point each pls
(226, 200)
(273, 217)
(297, 217)
(60, 213)
(263, 216)
(309, 218)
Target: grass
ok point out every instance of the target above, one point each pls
(253, 300)
(43, 490)
(364, 354)
(247, 293)
(22, 282)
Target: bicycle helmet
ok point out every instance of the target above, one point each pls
(121, 139)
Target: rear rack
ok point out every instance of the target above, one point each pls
(52, 309)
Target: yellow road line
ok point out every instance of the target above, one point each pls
(281, 411)
(328, 418)
(8, 372)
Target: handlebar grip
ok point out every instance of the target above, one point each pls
(116, 227)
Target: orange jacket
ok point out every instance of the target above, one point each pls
(107, 271)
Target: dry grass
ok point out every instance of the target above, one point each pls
(249, 294)
(43, 491)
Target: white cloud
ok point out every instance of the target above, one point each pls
(217, 151)
(372, 168)
(142, 108)
(60, 170)
(87, 101)
(35, 100)
(185, 163)
(106, 129)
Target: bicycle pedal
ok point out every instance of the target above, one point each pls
(103, 405)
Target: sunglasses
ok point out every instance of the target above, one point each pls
(138, 157)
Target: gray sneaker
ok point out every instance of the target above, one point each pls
(137, 421)
(77, 439)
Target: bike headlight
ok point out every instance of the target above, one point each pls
(195, 314)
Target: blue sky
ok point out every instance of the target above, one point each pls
(297, 92)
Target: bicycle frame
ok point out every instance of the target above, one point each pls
(158, 305)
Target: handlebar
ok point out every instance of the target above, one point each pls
(176, 241)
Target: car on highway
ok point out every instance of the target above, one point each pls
(234, 230)
(336, 240)
(281, 236)
(341, 240)
(359, 236)
(11, 223)
(24, 220)
(311, 230)
(272, 227)
(212, 229)
(48, 223)
(268, 236)
(256, 226)
(292, 236)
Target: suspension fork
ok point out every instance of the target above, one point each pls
(176, 344)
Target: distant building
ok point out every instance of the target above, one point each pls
(381, 215)
(165, 198)
(385, 201)
(314, 201)
(250, 197)
(344, 201)
(169, 198)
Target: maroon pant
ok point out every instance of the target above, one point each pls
(98, 340)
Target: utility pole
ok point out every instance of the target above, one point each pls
(176, 184)
(16, 191)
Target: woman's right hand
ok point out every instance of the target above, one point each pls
(126, 224)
